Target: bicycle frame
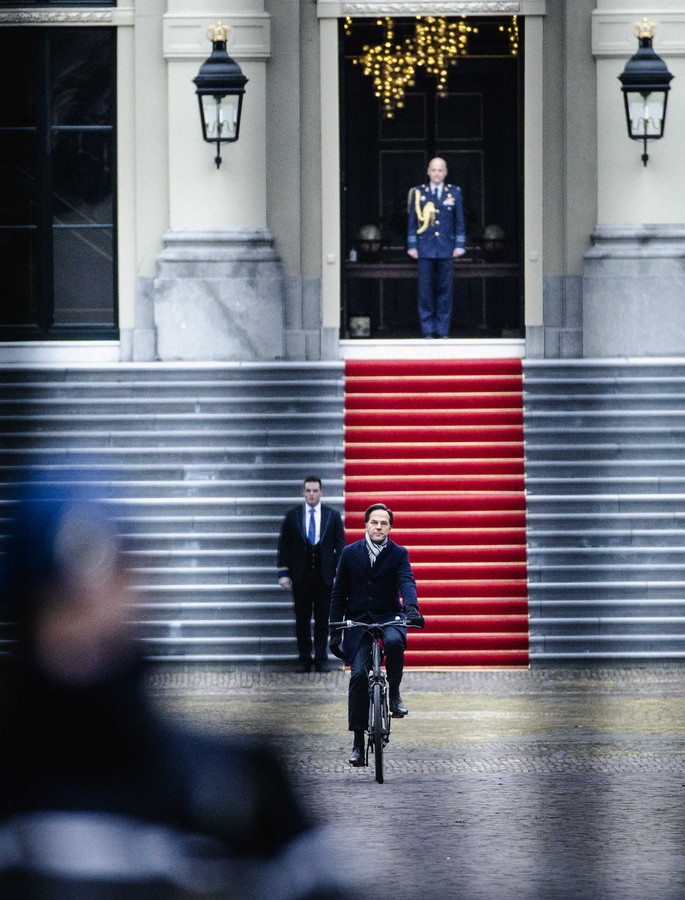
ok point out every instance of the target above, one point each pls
(378, 730)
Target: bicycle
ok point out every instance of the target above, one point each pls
(378, 731)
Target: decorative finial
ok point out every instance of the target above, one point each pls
(644, 29)
(218, 32)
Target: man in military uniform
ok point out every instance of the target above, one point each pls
(436, 236)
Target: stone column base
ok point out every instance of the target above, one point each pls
(219, 295)
(633, 289)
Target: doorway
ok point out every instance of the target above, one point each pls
(473, 119)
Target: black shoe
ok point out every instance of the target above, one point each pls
(322, 665)
(357, 755)
(397, 707)
(304, 665)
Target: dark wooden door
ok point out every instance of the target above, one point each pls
(474, 125)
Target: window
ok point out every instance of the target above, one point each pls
(57, 197)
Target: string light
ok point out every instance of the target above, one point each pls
(436, 44)
(390, 67)
(513, 31)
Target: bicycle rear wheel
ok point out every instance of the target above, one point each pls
(377, 731)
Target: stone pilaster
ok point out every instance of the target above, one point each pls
(218, 295)
(633, 291)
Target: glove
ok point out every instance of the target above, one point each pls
(414, 617)
(335, 643)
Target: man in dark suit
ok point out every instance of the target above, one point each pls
(436, 236)
(371, 576)
(309, 547)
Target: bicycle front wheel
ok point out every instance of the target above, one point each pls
(377, 731)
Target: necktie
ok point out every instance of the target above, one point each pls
(311, 534)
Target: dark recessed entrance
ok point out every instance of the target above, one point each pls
(474, 123)
(57, 201)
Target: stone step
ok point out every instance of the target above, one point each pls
(602, 370)
(539, 385)
(157, 610)
(601, 570)
(550, 558)
(247, 628)
(540, 541)
(192, 526)
(566, 504)
(150, 595)
(621, 401)
(279, 457)
(570, 433)
(187, 542)
(565, 470)
(123, 373)
(609, 625)
(580, 592)
(87, 440)
(197, 489)
(232, 390)
(202, 558)
(552, 609)
(178, 576)
(159, 508)
(651, 646)
(100, 409)
(618, 484)
(241, 422)
(289, 474)
(209, 649)
(617, 421)
(644, 519)
(610, 451)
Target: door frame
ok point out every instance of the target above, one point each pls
(329, 12)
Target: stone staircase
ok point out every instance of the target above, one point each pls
(199, 462)
(605, 477)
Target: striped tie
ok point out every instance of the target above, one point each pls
(311, 534)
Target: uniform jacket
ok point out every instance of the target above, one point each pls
(436, 228)
(292, 544)
(360, 588)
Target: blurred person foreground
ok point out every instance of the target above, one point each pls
(99, 796)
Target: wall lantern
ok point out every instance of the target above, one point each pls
(220, 87)
(645, 85)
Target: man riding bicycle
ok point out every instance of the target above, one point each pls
(372, 575)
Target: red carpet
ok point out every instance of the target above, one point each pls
(441, 443)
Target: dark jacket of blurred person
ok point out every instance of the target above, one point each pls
(99, 796)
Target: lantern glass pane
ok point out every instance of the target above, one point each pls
(220, 117)
(646, 114)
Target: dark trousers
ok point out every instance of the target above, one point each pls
(394, 644)
(312, 594)
(435, 295)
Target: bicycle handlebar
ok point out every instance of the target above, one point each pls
(352, 623)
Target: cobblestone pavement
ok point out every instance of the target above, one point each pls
(543, 784)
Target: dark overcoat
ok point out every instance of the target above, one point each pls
(363, 591)
(292, 544)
